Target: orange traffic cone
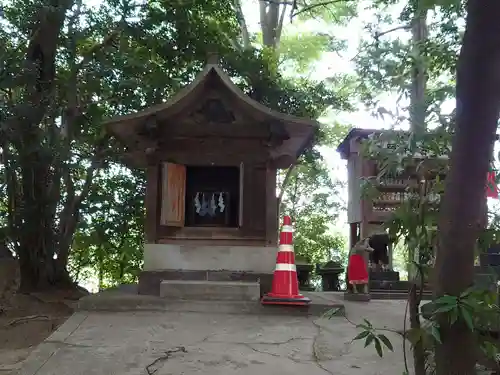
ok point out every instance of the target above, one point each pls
(285, 289)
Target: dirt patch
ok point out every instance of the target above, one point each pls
(27, 320)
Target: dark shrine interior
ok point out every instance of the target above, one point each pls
(212, 196)
(380, 244)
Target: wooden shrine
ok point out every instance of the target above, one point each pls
(211, 154)
(365, 217)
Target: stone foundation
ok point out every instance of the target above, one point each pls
(149, 281)
(258, 259)
(206, 263)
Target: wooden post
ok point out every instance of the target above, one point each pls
(271, 208)
(151, 202)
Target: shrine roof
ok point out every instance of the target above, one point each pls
(344, 148)
(210, 72)
(299, 131)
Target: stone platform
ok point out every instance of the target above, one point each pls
(126, 298)
(168, 342)
(209, 290)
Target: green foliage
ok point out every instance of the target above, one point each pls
(109, 239)
(300, 50)
(421, 161)
(117, 58)
(310, 198)
(370, 335)
(386, 62)
(331, 12)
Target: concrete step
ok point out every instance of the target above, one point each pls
(396, 295)
(120, 301)
(209, 290)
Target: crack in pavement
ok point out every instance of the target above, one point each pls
(317, 359)
(274, 354)
(277, 343)
(69, 344)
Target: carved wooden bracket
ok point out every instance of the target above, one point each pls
(213, 110)
(150, 129)
(277, 134)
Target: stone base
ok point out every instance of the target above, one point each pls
(149, 281)
(126, 299)
(209, 290)
(259, 259)
(387, 275)
(357, 297)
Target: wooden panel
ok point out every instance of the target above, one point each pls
(254, 200)
(242, 192)
(234, 130)
(173, 195)
(152, 184)
(192, 157)
(204, 145)
(209, 236)
(354, 189)
(271, 208)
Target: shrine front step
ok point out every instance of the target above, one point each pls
(149, 281)
(381, 294)
(202, 290)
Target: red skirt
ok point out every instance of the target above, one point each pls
(357, 272)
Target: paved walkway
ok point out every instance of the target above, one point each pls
(217, 344)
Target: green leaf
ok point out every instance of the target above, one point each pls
(386, 342)
(466, 315)
(444, 309)
(466, 293)
(332, 313)
(361, 335)
(369, 339)
(414, 335)
(446, 300)
(453, 316)
(368, 323)
(378, 347)
(435, 333)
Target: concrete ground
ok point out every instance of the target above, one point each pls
(136, 343)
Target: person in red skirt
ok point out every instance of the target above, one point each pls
(357, 270)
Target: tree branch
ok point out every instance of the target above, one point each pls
(382, 33)
(243, 25)
(71, 210)
(288, 175)
(280, 25)
(308, 8)
(107, 41)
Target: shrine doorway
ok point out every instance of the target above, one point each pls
(213, 196)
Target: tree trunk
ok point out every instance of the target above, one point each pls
(478, 107)
(36, 232)
(418, 105)
(38, 242)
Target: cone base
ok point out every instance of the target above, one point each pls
(278, 300)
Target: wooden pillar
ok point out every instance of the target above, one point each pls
(151, 202)
(271, 208)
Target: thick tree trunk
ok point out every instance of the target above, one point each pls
(42, 274)
(478, 107)
(37, 231)
(38, 243)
